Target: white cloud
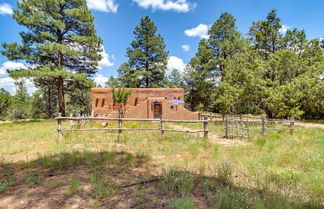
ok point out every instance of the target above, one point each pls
(284, 29)
(8, 84)
(103, 5)
(176, 5)
(105, 61)
(100, 79)
(10, 66)
(201, 31)
(6, 9)
(175, 63)
(185, 47)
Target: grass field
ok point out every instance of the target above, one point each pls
(182, 171)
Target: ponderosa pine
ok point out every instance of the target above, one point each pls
(60, 42)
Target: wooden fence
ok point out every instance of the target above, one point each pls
(241, 126)
(82, 119)
(212, 117)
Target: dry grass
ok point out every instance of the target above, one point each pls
(86, 170)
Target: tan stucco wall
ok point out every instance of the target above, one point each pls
(143, 108)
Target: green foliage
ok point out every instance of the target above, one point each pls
(74, 185)
(5, 102)
(101, 186)
(35, 179)
(120, 98)
(20, 107)
(182, 203)
(60, 44)
(224, 172)
(278, 74)
(260, 141)
(176, 79)
(147, 58)
(199, 78)
(3, 187)
(177, 182)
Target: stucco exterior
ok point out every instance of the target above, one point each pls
(143, 103)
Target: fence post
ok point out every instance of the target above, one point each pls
(59, 129)
(206, 127)
(292, 125)
(162, 127)
(71, 121)
(119, 127)
(263, 125)
(242, 126)
(226, 127)
(211, 117)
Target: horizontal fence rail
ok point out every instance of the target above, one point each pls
(240, 126)
(84, 119)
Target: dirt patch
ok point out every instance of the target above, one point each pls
(213, 137)
(310, 125)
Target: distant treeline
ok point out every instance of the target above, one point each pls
(267, 71)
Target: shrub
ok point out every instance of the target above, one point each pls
(177, 182)
(3, 187)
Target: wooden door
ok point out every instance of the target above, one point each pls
(157, 110)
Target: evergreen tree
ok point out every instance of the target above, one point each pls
(112, 82)
(265, 35)
(224, 40)
(128, 77)
(176, 79)
(147, 56)
(5, 102)
(47, 92)
(60, 43)
(199, 78)
(278, 75)
(20, 108)
(78, 96)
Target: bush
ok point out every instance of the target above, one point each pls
(177, 182)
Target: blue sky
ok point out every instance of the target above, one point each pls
(181, 22)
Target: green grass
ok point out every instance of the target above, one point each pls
(277, 170)
(182, 203)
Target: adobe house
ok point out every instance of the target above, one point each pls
(144, 103)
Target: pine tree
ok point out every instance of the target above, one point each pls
(147, 56)
(265, 35)
(176, 79)
(224, 40)
(200, 78)
(112, 82)
(60, 43)
(20, 108)
(5, 102)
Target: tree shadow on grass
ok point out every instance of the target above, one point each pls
(116, 180)
(76, 179)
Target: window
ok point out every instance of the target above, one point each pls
(103, 103)
(97, 102)
(179, 98)
(175, 98)
(172, 107)
(136, 100)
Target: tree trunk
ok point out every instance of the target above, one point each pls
(49, 103)
(60, 90)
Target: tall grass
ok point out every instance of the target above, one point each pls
(271, 171)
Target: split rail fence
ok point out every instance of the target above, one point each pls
(242, 125)
(84, 119)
